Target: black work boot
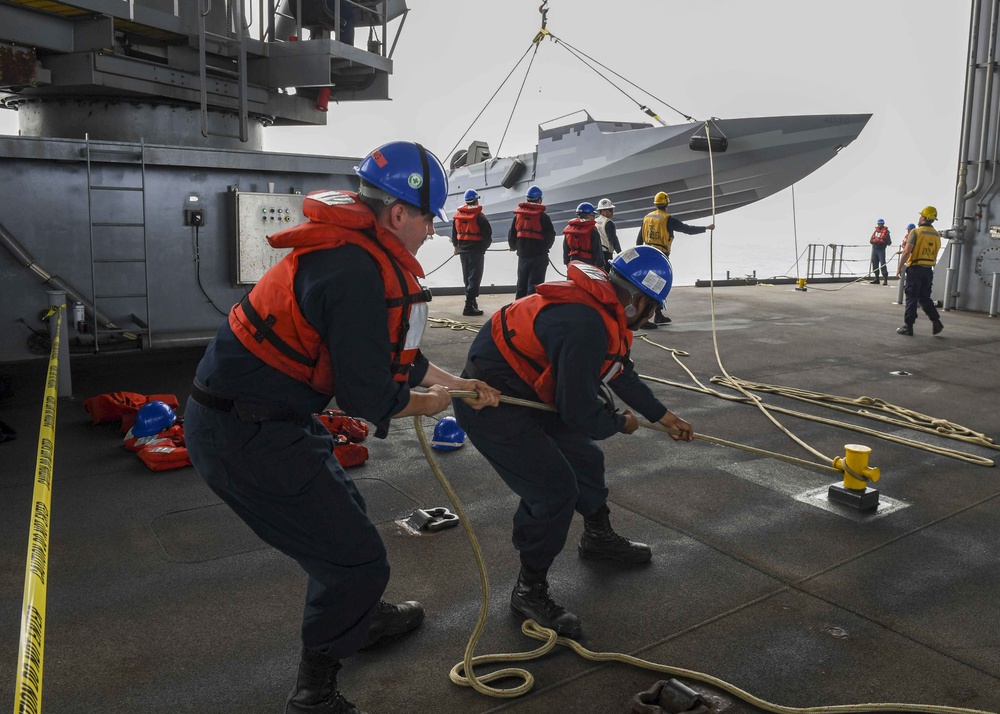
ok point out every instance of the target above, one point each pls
(660, 318)
(600, 542)
(876, 281)
(531, 598)
(471, 308)
(937, 327)
(885, 280)
(316, 690)
(390, 620)
(905, 330)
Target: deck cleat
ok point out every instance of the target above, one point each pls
(855, 491)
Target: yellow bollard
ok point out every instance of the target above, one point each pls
(801, 283)
(857, 473)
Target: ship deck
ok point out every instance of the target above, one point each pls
(160, 600)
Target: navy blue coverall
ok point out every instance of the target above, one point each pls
(273, 462)
(551, 460)
(471, 254)
(532, 256)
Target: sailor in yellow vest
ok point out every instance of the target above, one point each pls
(658, 228)
(920, 251)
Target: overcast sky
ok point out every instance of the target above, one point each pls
(901, 60)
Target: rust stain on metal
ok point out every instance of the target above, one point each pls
(17, 67)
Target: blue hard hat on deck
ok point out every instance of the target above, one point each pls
(471, 195)
(880, 221)
(409, 172)
(534, 192)
(584, 207)
(448, 435)
(153, 418)
(648, 269)
(910, 226)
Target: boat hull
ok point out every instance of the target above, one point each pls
(592, 160)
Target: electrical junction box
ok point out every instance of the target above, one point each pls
(255, 216)
(194, 217)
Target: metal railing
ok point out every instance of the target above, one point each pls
(835, 260)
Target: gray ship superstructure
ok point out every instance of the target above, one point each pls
(629, 162)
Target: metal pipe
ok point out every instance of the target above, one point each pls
(25, 258)
(995, 295)
(987, 103)
(970, 85)
(962, 197)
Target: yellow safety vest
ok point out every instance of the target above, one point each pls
(655, 231)
(926, 244)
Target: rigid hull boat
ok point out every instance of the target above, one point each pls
(629, 162)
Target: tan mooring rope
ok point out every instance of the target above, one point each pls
(463, 673)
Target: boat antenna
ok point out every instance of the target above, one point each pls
(579, 54)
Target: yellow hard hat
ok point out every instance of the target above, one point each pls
(930, 213)
(661, 199)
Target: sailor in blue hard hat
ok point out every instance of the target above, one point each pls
(471, 235)
(880, 240)
(341, 315)
(581, 239)
(565, 346)
(532, 235)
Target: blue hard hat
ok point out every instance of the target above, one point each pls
(910, 226)
(409, 172)
(471, 195)
(448, 435)
(534, 192)
(585, 207)
(880, 221)
(153, 417)
(648, 269)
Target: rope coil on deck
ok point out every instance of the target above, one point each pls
(463, 673)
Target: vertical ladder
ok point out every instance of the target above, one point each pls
(236, 33)
(101, 246)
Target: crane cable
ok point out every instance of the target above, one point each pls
(463, 674)
(578, 54)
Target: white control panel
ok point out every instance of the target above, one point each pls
(256, 216)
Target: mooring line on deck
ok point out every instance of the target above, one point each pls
(463, 673)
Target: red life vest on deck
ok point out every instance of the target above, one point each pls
(466, 223)
(269, 322)
(528, 220)
(578, 243)
(163, 451)
(123, 405)
(514, 327)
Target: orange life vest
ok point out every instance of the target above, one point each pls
(466, 223)
(879, 237)
(578, 243)
(514, 328)
(269, 322)
(528, 220)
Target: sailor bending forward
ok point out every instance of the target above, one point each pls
(559, 346)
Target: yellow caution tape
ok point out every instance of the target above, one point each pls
(28, 691)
